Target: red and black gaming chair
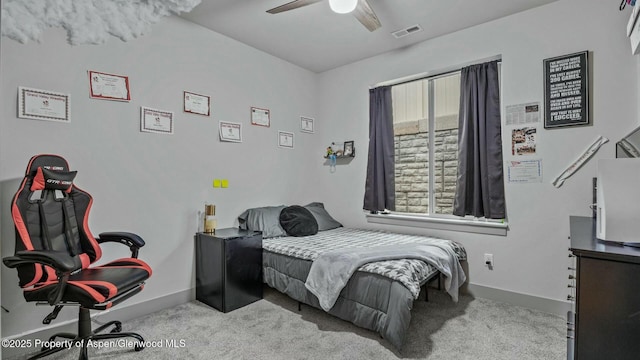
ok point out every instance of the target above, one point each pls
(54, 251)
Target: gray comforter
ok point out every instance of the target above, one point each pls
(378, 296)
(331, 271)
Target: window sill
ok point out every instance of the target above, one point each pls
(441, 223)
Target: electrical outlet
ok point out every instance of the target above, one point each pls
(488, 261)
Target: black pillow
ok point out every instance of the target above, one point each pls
(53, 180)
(298, 221)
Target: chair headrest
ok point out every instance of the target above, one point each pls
(53, 180)
(48, 162)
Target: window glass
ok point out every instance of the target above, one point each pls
(411, 109)
(447, 105)
(411, 140)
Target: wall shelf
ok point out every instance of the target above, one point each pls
(340, 160)
(341, 148)
(342, 157)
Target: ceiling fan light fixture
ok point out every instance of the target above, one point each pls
(343, 6)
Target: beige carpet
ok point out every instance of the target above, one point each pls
(273, 329)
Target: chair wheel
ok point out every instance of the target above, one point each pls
(116, 329)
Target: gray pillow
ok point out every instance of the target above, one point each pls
(325, 221)
(265, 219)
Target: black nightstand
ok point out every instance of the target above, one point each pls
(229, 268)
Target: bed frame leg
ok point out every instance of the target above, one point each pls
(299, 306)
(426, 287)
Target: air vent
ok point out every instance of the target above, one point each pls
(406, 31)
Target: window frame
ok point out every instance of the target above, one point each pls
(433, 220)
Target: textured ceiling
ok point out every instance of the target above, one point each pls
(87, 21)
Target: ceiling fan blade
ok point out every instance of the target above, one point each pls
(292, 5)
(364, 13)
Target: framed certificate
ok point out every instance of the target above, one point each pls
(285, 139)
(197, 104)
(261, 117)
(230, 131)
(43, 105)
(156, 121)
(306, 124)
(108, 86)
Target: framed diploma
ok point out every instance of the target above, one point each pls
(108, 86)
(197, 104)
(230, 131)
(306, 124)
(156, 121)
(43, 105)
(285, 139)
(261, 117)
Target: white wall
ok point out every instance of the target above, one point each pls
(152, 184)
(532, 258)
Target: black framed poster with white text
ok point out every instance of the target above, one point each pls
(566, 90)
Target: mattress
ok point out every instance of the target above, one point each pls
(378, 297)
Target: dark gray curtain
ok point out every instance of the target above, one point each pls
(379, 192)
(480, 186)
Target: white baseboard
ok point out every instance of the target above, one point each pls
(122, 313)
(551, 306)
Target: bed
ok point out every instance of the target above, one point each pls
(378, 296)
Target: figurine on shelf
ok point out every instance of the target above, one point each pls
(329, 151)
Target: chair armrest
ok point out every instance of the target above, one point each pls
(59, 260)
(133, 241)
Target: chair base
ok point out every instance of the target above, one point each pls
(86, 337)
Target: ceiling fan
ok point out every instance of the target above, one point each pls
(359, 8)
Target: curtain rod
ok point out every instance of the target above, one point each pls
(429, 74)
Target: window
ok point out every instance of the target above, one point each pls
(426, 162)
(413, 102)
(415, 166)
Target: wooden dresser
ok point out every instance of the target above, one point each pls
(607, 296)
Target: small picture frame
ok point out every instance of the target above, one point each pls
(348, 150)
(109, 86)
(196, 103)
(156, 121)
(285, 139)
(306, 124)
(260, 117)
(230, 131)
(43, 105)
